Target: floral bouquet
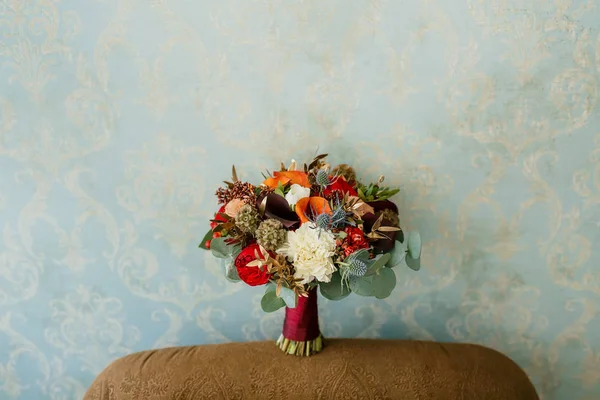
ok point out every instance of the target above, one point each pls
(302, 229)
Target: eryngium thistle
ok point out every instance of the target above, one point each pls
(247, 219)
(322, 178)
(271, 234)
(323, 221)
(356, 267)
(338, 217)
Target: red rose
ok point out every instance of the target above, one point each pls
(253, 276)
(218, 217)
(340, 185)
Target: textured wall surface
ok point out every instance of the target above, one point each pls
(118, 119)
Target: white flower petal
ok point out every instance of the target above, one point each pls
(310, 250)
(296, 193)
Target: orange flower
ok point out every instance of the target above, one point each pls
(283, 177)
(274, 183)
(318, 205)
(297, 177)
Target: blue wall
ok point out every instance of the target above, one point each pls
(118, 119)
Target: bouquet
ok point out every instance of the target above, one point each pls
(308, 228)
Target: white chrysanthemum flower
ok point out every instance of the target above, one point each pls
(310, 250)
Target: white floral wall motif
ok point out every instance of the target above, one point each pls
(118, 119)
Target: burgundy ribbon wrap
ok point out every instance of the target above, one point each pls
(301, 324)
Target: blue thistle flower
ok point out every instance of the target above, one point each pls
(322, 178)
(356, 267)
(323, 221)
(338, 217)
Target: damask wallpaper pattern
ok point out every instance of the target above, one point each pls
(119, 118)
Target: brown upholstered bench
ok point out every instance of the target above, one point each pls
(346, 369)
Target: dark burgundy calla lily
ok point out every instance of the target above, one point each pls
(278, 208)
(383, 205)
(369, 219)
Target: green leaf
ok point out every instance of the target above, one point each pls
(231, 273)
(379, 284)
(271, 302)
(219, 248)
(206, 238)
(384, 283)
(288, 296)
(279, 192)
(361, 194)
(413, 263)
(413, 242)
(236, 249)
(362, 254)
(334, 290)
(379, 263)
(362, 286)
(271, 287)
(398, 255)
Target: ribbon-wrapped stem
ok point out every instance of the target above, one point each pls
(301, 335)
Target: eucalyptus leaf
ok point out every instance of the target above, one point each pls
(362, 254)
(334, 290)
(384, 283)
(288, 296)
(205, 239)
(398, 255)
(235, 250)
(413, 242)
(362, 286)
(271, 302)
(271, 287)
(413, 263)
(231, 273)
(380, 284)
(379, 263)
(219, 248)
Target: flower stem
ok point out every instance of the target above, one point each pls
(297, 348)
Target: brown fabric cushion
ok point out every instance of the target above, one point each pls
(346, 369)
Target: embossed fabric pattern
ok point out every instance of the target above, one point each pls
(387, 370)
(120, 118)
